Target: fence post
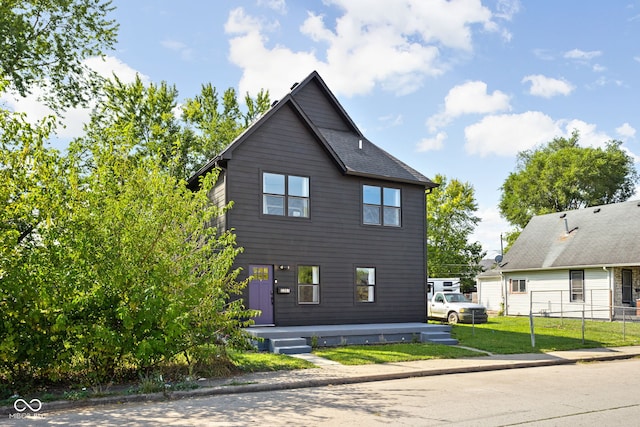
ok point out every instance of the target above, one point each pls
(624, 324)
(582, 323)
(561, 309)
(533, 335)
(473, 323)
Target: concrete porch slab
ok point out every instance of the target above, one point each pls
(351, 334)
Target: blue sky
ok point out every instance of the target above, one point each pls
(450, 87)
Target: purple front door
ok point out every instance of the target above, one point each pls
(261, 293)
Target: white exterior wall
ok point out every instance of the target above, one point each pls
(551, 294)
(490, 291)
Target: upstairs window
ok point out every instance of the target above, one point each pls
(381, 206)
(285, 195)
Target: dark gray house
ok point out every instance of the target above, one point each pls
(333, 227)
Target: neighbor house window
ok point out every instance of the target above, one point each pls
(518, 286)
(576, 285)
(365, 284)
(308, 284)
(285, 195)
(381, 205)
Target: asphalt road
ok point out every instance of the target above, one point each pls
(586, 394)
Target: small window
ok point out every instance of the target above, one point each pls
(285, 195)
(365, 284)
(576, 285)
(260, 273)
(381, 206)
(308, 284)
(518, 286)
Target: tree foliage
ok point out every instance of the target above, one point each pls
(185, 136)
(43, 43)
(107, 259)
(451, 220)
(108, 262)
(562, 175)
(218, 123)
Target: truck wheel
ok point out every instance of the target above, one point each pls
(453, 317)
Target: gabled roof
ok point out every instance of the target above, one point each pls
(598, 236)
(352, 153)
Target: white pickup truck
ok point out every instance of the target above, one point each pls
(454, 307)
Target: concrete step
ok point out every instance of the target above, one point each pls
(297, 349)
(289, 346)
(443, 341)
(438, 337)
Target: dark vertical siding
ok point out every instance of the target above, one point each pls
(333, 237)
(319, 109)
(218, 196)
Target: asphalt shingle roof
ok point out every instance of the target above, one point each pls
(370, 160)
(606, 235)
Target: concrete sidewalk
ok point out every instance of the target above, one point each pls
(332, 373)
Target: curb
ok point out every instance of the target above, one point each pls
(307, 383)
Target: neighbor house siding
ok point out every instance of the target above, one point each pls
(551, 293)
(635, 285)
(333, 237)
(490, 289)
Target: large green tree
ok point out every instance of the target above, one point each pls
(107, 260)
(218, 121)
(43, 43)
(451, 220)
(184, 136)
(561, 175)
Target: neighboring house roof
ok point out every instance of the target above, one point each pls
(607, 235)
(350, 150)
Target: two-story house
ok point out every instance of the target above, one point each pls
(333, 227)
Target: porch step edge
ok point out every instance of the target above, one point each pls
(296, 349)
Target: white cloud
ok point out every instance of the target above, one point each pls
(488, 231)
(543, 54)
(582, 55)
(469, 98)
(185, 51)
(368, 45)
(74, 118)
(508, 134)
(279, 6)
(626, 131)
(507, 9)
(432, 144)
(547, 87)
(391, 120)
(110, 65)
(589, 135)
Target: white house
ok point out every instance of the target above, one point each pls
(565, 263)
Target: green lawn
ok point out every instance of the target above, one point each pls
(387, 353)
(260, 362)
(508, 335)
(501, 335)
